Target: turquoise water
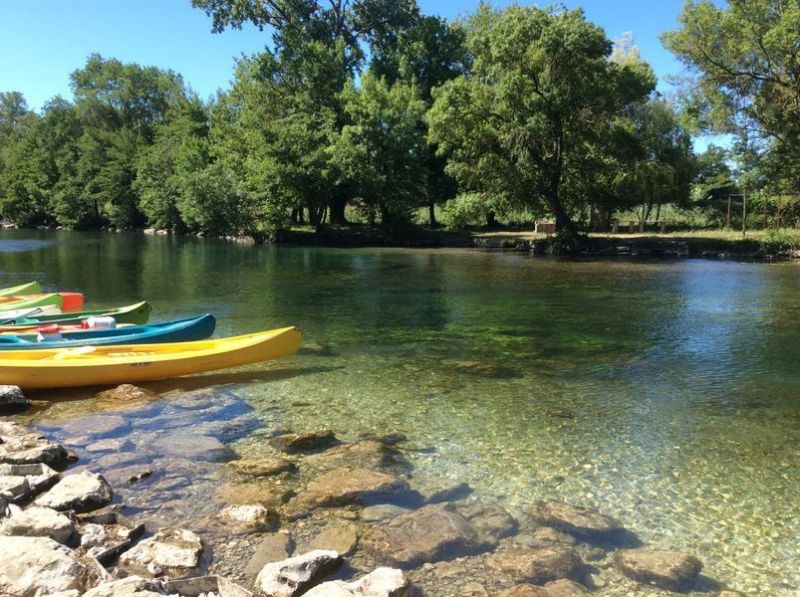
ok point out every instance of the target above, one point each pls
(666, 393)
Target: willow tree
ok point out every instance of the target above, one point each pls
(541, 88)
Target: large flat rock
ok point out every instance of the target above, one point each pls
(669, 570)
(34, 566)
(82, 492)
(173, 552)
(432, 533)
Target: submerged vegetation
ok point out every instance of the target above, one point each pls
(371, 112)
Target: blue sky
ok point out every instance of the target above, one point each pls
(42, 41)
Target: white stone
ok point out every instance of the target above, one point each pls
(33, 566)
(174, 552)
(82, 492)
(132, 586)
(37, 521)
(381, 582)
(251, 516)
(12, 399)
(292, 576)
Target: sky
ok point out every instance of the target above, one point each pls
(42, 41)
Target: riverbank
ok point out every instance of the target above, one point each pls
(757, 245)
(314, 507)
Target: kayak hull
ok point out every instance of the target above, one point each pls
(29, 288)
(137, 314)
(66, 301)
(47, 369)
(180, 330)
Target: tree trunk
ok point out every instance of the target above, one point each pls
(432, 215)
(337, 211)
(563, 221)
(599, 218)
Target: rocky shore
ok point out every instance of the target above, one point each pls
(310, 515)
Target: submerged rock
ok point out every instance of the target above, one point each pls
(39, 522)
(306, 441)
(293, 576)
(364, 454)
(432, 533)
(174, 553)
(491, 522)
(344, 485)
(192, 446)
(127, 393)
(381, 582)
(81, 492)
(538, 564)
(252, 517)
(12, 399)
(273, 548)
(341, 538)
(33, 566)
(263, 467)
(670, 570)
(97, 426)
(525, 590)
(557, 588)
(583, 522)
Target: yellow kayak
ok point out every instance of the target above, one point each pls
(107, 365)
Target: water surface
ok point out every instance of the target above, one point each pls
(664, 393)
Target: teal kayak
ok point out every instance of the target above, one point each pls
(178, 330)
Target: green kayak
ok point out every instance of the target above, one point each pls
(29, 288)
(137, 314)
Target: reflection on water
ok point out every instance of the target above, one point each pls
(665, 393)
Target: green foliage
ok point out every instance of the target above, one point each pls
(468, 209)
(378, 152)
(543, 85)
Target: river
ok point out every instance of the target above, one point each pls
(664, 393)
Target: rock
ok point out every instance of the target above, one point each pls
(364, 454)
(381, 582)
(173, 552)
(132, 586)
(550, 536)
(14, 486)
(295, 575)
(482, 369)
(473, 589)
(93, 534)
(30, 449)
(382, 512)
(12, 399)
(273, 548)
(446, 493)
(252, 517)
(344, 485)
(670, 570)
(340, 538)
(307, 441)
(81, 492)
(322, 350)
(192, 446)
(109, 445)
(525, 590)
(26, 479)
(97, 426)
(432, 533)
(492, 522)
(33, 566)
(583, 522)
(39, 522)
(263, 467)
(127, 393)
(537, 564)
(266, 494)
(566, 588)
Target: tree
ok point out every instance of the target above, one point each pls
(744, 69)
(180, 149)
(378, 152)
(426, 54)
(541, 85)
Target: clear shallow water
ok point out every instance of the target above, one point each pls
(664, 393)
